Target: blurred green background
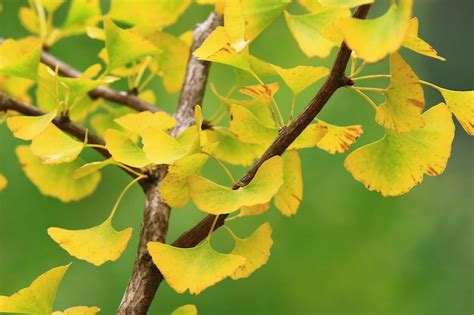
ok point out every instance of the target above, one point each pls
(347, 251)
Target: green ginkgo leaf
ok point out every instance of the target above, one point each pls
(187, 309)
(28, 127)
(373, 39)
(256, 250)
(53, 146)
(81, 14)
(160, 147)
(124, 46)
(393, 165)
(344, 3)
(289, 196)
(194, 269)
(213, 198)
(124, 150)
(57, 180)
(405, 99)
(20, 57)
(92, 167)
(38, 298)
(95, 245)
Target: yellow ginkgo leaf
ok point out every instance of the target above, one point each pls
(187, 309)
(159, 13)
(253, 210)
(53, 146)
(81, 14)
(344, 3)
(16, 87)
(374, 39)
(194, 269)
(213, 198)
(124, 46)
(20, 57)
(256, 250)
(261, 92)
(138, 122)
(461, 104)
(413, 42)
(28, 127)
(38, 298)
(174, 187)
(405, 100)
(57, 180)
(217, 48)
(79, 310)
(338, 139)
(160, 147)
(289, 196)
(222, 144)
(395, 164)
(311, 31)
(3, 182)
(312, 6)
(101, 122)
(301, 77)
(92, 167)
(96, 245)
(124, 150)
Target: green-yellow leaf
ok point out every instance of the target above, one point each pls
(20, 57)
(461, 104)
(81, 14)
(124, 150)
(79, 310)
(405, 100)
(95, 245)
(256, 250)
(253, 210)
(213, 198)
(3, 182)
(57, 180)
(138, 122)
(53, 146)
(301, 77)
(174, 187)
(16, 87)
(374, 39)
(38, 298)
(338, 139)
(91, 168)
(187, 309)
(393, 165)
(28, 127)
(124, 46)
(289, 196)
(194, 269)
(415, 43)
(344, 3)
(160, 147)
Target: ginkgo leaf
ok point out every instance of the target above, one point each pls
(3, 182)
(138, 122)
(312, 6)
(405, 99)
(124, 150)
(301, 77)
(95, 245)
(187, 309)
(16, 87)
(223, 145)
(339, 138)
(213, 198)
(101, 122)
(174, 187)
(81, 14)
(51, 5)
(28, 127)
(124, 46)
(79, 310)
(261, 92)
(413, 42)
(160, 147)
(53, 146)
(461, 104)
(194, 269)
(344, 3)
(159, 13)
(57, 180)
(253, 210)
(38, 298)
(217, 48)
(244, 20)
(289, 196)
(92, 167)
(374, 39)
(20, 57)
(309, 31)
(395, 164)
(256, 250)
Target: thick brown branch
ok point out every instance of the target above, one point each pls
(101, 92)
(145, 277)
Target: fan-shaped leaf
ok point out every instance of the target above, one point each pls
(339, 138)
(461, 104)
(289, 196)
(413, 42)
(187, 309)
(20, 57)
(301, 77)
(124, 150)
(28, 127)
(138, 122)
(79, 310)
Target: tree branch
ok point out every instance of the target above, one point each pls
(104, 92)
(286, 136)
(146, 277)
